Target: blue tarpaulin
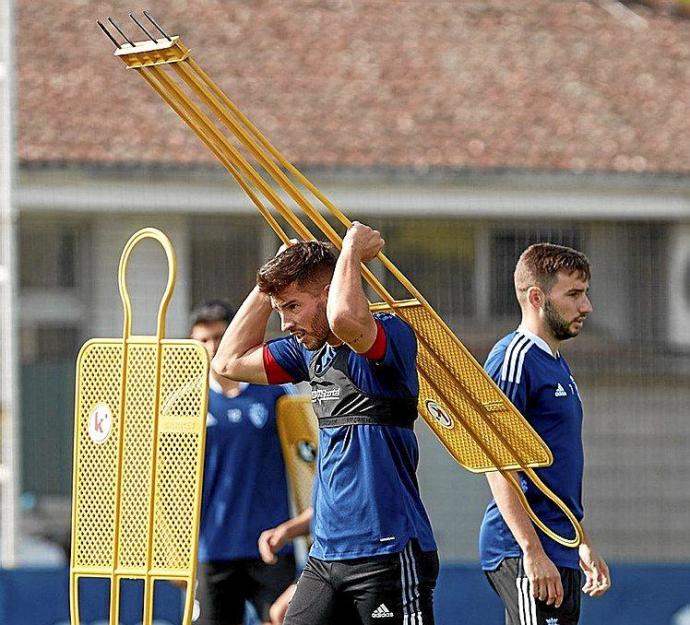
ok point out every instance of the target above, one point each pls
(641, 595)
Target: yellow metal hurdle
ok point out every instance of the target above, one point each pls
(472, 418)
(139, 433)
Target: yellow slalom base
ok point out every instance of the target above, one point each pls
(139, 439)
(470, 415)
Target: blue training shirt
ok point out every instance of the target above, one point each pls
(245, 487)
(542, 388)
(366, 495)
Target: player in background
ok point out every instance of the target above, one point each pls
(271, 542)
(373, 545)
(538, 579)
(244, 490)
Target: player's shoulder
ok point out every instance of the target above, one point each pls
(393, 323)
(508, 356)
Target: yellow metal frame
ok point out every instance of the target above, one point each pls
(140, 427)
(234, 140)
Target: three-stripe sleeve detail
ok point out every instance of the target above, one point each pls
(513, 362)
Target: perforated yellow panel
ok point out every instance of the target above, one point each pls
(137, 457)
(95, 477)
(298, 432)
(184, 389)
(146, 459)
(179, 451)
(473, 419)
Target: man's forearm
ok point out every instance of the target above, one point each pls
(237, 356)
(346, 295)
(513, 513)
(299, 525)
(347, 308)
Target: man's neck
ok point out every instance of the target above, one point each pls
(536, 328)
(333, 340)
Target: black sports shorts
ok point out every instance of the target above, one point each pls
(225, 585)
(393, 589)
(522, 608)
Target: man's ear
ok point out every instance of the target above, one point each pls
(535, 296)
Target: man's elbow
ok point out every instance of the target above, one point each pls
(344, 325)
(224, 367)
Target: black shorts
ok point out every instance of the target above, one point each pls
(393, 589)
(522, 608)
(225, 585)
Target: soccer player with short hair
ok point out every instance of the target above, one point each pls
(244, 491)
(538, 579)
(373, 548)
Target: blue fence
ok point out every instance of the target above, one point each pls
(641, 595)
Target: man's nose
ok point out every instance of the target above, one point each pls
(587, 306)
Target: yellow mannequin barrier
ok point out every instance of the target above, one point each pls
(140, 419)
(474, 420)
(298, 433)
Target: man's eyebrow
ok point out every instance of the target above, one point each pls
(278, 305)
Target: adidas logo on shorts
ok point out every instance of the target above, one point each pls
(381, 612)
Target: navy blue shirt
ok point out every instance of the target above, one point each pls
(366, 495)
(245, 487)
(542, 388)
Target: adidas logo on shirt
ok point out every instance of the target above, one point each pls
(560, 391)
(381, 612)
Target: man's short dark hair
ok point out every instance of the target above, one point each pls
(212, 311)
(540, 263)
(310, 264)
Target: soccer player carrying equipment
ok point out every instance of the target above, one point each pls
(537, 578)
(373, 543)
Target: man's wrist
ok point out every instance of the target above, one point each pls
(349, 248)
(287, 530)
(262, 299)
(532, 548)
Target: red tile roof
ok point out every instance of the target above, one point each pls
(537, 84)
